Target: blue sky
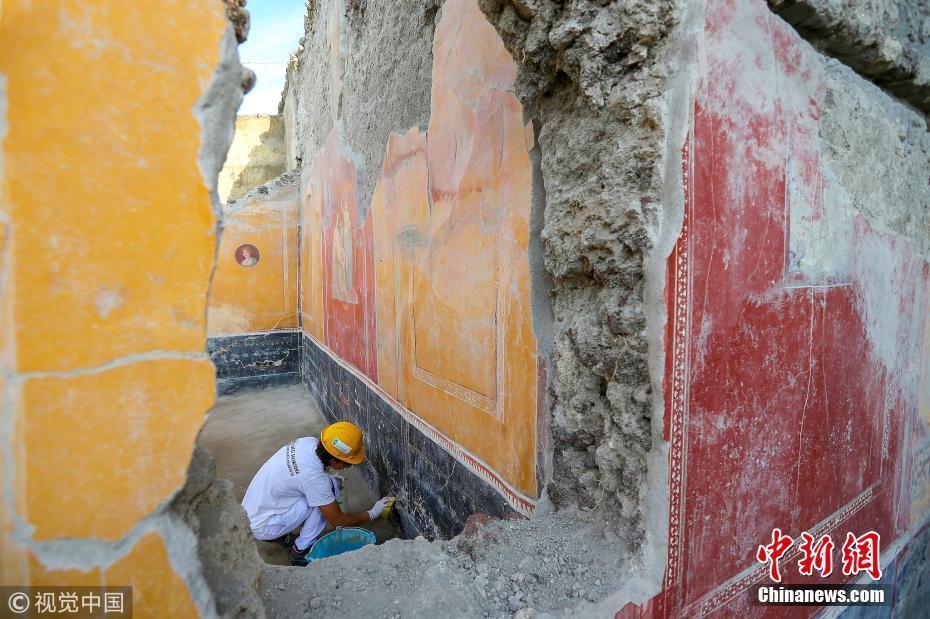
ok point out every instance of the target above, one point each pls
(277, 26)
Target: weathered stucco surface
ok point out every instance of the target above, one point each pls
(886, 41)
(257, 155)
(339, 78)
(796, 295)
(598, 81)
(613, 126)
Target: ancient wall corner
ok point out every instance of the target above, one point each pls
(253, 313)
(612, 113)
(886, 42)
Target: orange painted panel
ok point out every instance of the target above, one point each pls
(108, 250)
(402, 192)
(449, 225)
(462, 322)
(157, 591)
(247, 297)
(105, 448)
(112, 231)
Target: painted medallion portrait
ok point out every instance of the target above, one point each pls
(247, 255)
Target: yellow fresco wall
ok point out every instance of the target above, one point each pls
(157, 590)
(453, 291)
(107, 247)
(450, 217)
(261, 297)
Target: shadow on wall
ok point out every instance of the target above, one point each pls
(256, 156)
(256, 172)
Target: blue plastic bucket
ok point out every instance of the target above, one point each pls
(339, 541)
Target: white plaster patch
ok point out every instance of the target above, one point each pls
(107, 300)
(893, 300)
(820, 230)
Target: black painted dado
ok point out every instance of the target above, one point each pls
(436, 493)
(255, 360)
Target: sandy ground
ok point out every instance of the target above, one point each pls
(245, 429)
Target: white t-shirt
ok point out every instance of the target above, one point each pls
(294, 472)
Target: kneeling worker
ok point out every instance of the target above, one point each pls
(293, 489)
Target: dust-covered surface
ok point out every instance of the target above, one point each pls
(564, 565)
(229, 562)
(887, 41)
(277, 184)
(567, 564)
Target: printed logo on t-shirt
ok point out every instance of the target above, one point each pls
(342, 447)
(292, 458)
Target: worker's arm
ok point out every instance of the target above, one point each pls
(337, 518)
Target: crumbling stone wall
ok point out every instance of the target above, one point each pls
(610, 86)
(257, 155)
(886, 41)
(596, 77)
(347, 62)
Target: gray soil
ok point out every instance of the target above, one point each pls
(563, 565)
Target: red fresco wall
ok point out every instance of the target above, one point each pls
(348, 274)
(790, 395)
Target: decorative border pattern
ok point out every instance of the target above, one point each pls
(521, 503)
(464, 394)
(468, 396)
(680, 372)
(713, 600)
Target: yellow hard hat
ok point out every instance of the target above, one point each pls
(343, 440)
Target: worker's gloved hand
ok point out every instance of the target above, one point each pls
(378, 509)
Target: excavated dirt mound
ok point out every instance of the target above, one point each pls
(566, 564)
